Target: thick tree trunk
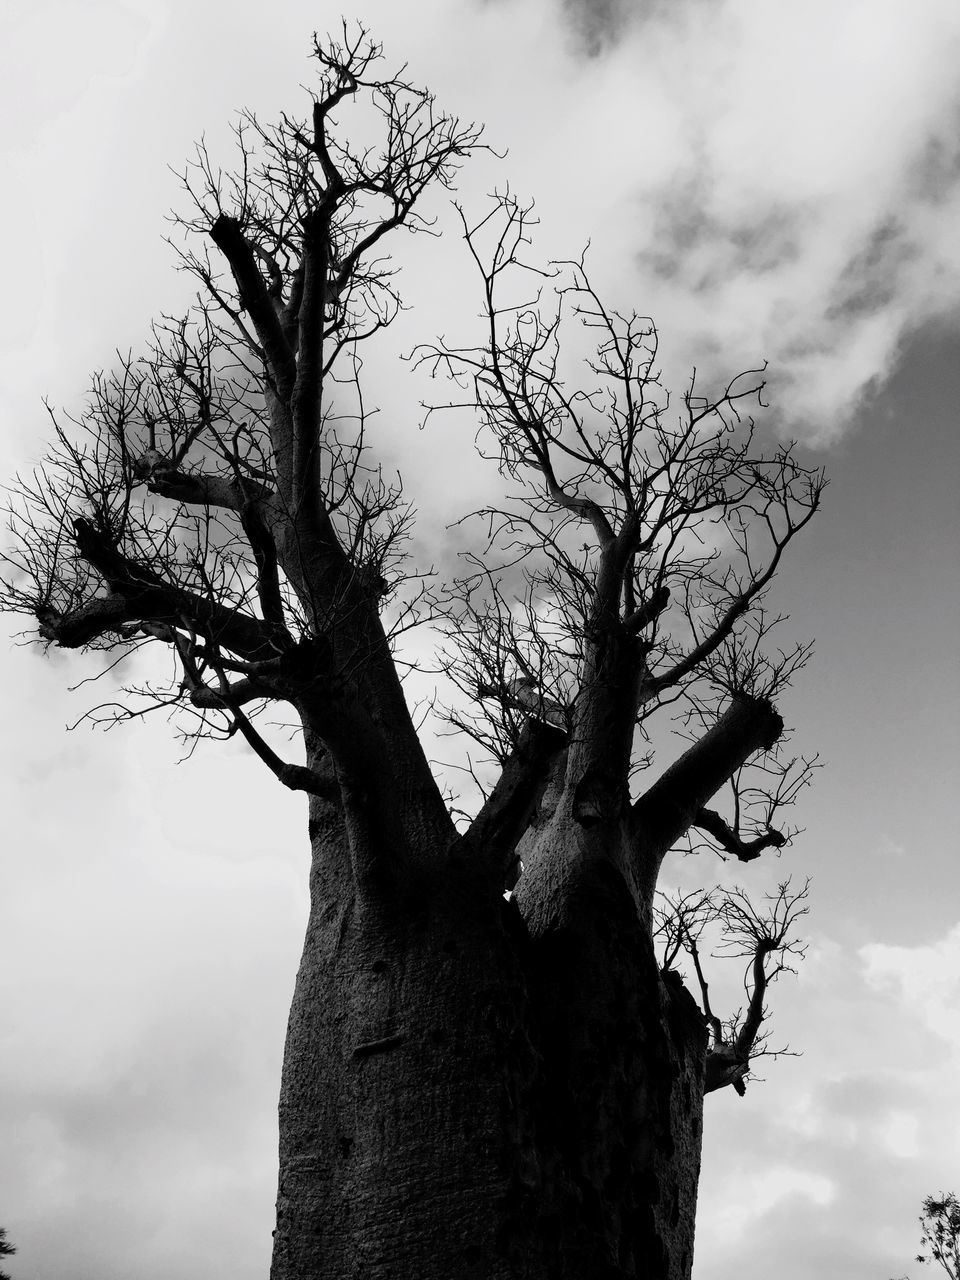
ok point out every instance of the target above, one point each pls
(482, 1088)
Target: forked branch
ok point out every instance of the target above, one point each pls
(765, 935)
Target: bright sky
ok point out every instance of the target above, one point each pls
(769, 181)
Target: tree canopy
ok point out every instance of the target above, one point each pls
(216, 496)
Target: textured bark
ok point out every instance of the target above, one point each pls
(477, 1087)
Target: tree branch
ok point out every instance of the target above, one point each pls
(268, 574)
(728, 1061)
(77, 628)
(731, 841)
(203, 489)
(506, 814)
(648, 611)
(295, 776)
(255, 299)
(739, 606)
(668, 808)
(747, 1035)
(146, 596)
(239, 693)
(306, 391)
(758, 935)
(725, 1067)
(585, 508)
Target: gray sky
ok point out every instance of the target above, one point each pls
(769, 182)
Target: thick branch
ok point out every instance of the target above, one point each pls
(256, 301)
(747, 1035)
(93, 619)
(725, 1067)
(672, 804)
(648, 611)
(198, 488)
(731, 840)
(238, 694)
(147, 596)
(728, 1061)
(506, 814)
(306, 390)
(585, 508)
(347, 86)
(268, 574)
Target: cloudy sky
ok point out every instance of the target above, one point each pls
(770, 181)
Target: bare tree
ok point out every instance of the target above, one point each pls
(476, 1082)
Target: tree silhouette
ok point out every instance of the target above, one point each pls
(7, 1250)
(493, 1066)
(940, 1233)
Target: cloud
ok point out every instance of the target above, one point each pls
(795, 180)
(148, 959)
(852, 1135)
(36, 99)
(770, 182)
(784, 182)
(762, 1193)
(597, 24)
(924, 980)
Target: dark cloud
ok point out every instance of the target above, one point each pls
(871, 280)
(935, 172)
(598, 24)
(695, 246)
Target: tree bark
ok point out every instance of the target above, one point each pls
(482, 1087)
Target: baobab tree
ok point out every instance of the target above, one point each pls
(493, 1067)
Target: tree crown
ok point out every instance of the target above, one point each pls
(216, 498)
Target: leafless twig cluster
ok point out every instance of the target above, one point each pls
(766, 936)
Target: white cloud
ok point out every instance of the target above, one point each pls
(900, 1133)
(768, 181)
(148, 960)
(806, 216)
(925, 981)
(750, 1197)
(853, 1134)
